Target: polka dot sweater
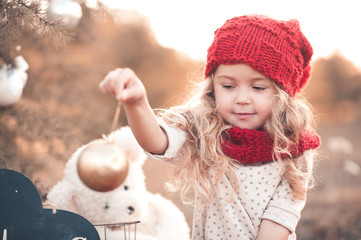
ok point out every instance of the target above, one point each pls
(262, 194)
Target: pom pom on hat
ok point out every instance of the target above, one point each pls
(276, 48)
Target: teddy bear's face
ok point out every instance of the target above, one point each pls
(128, 202)
(125, 203)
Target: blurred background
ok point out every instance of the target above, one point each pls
(165, 43)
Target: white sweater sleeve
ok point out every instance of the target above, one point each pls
(283, 208)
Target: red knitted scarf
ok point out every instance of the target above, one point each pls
(252, 146)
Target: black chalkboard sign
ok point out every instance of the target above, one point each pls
(22, 216)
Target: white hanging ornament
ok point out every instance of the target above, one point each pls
(68, 10)
(12, 81)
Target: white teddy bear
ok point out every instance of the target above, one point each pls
(159, 217)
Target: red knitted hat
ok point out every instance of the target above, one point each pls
(276, 48)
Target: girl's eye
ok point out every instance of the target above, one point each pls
(259, 88)
(126, 187)
(227, 86)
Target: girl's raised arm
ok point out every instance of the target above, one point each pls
(127, 88)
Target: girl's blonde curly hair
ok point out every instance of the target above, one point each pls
(205, 130)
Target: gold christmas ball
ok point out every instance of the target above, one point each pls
(102, 165)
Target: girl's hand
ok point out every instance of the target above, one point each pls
(127, 88)
(124, 84)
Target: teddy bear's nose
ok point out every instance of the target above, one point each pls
(130, 210)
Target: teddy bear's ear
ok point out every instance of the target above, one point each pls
(125, 139)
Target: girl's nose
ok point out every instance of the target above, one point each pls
(243, 97)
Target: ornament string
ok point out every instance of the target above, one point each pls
(116, 116)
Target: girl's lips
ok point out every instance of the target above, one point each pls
(244, 116)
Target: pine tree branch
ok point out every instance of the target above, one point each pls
(20, 16)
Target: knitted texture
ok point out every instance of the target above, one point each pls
(252, 146)
(278, 49)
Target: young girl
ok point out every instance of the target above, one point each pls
(244, 142)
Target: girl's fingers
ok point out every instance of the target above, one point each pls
(123, 83)
(128, 95)
(106, 84)
(111, 81)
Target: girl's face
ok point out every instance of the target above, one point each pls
(244, 96)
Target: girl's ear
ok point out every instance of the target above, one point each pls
(211, 94)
